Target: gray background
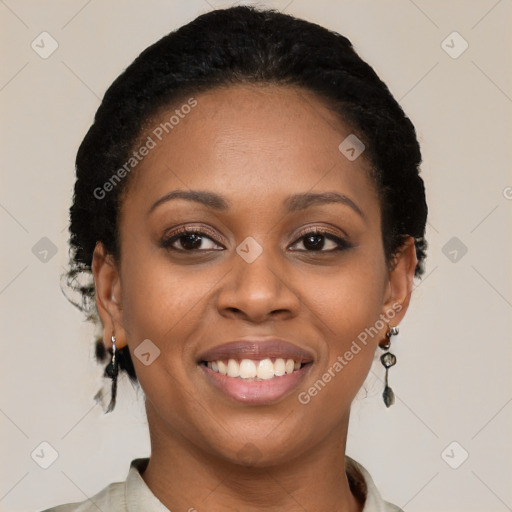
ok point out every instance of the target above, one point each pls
(453, 377)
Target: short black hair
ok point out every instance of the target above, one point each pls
(231, 46)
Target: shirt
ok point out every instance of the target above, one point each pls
(133, 495)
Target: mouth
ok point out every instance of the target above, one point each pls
(256, 371)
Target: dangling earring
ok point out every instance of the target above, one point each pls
(111, 371)
(388, 360)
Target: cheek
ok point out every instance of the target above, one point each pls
(350, 306)
(160, 304)
(159, 299)
(346, 312)
(165, 304)
(351, 299)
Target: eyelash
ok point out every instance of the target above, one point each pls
(167, 242)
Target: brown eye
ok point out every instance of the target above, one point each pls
(314, 242)
(189, 240)
(321, 241)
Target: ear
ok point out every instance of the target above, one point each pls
(108, 295)
(400, 281)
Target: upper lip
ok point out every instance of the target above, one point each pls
(257, 348)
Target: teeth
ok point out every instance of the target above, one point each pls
(265, 369)
(233, 368)
(247, 368)
(250, 369)
(279, 367)
(222, 367)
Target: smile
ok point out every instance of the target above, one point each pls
(254, 370)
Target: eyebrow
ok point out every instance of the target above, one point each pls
(302, 201)
(292, 203)
(206, 198)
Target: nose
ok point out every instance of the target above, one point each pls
(258, 291)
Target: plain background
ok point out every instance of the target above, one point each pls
(453, 377)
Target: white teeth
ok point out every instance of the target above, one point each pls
(265, 369)
(247, 369)
(233, 368)
(250, 369)
(222, 368)
(279, 367)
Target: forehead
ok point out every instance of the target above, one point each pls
(255, 141)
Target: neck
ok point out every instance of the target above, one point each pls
(185, 476)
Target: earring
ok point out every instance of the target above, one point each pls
(111, 371)
(388, 360)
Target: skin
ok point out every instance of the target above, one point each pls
(253, 145)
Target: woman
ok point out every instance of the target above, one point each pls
(249, 205)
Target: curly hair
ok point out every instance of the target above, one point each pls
(242, 45)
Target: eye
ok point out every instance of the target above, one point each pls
(190, 239)
(196, 239)
(319, 240)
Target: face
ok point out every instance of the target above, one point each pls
(276, 235)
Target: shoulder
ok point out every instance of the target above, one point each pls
(111, 498)
(389, 507)
(130, 495)
(363, 487)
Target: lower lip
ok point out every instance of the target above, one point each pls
(256, 392)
